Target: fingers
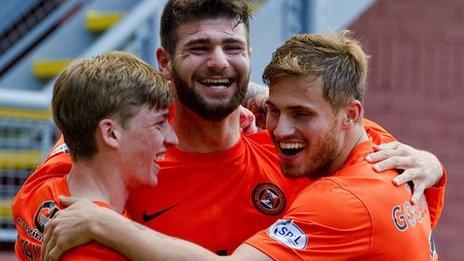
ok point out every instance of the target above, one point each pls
(49, 242)
(251, 128)
(67, 201)
(245, 121)
(380, 155)
(419, 184)
(387, 150)
(418, 192)
(54, 254)
(387, 146)
(394, 162)
(403, 178)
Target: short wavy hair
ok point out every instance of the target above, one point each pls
(112, 85)
(336, 57)
(178, 12)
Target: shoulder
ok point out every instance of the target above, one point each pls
(377, 133)
(35, 201)
(262, 140)
(328, 202)
(261, 137)
(33, 208)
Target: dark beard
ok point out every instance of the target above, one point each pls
(327, 154)
(192, 100)
(321, 162)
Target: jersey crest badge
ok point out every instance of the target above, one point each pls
(288, 233)
(45, 212)
(268, 198)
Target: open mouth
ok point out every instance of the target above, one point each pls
(217, 83)
(291, 148)
(160, 156)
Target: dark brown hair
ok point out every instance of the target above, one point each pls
(178, 12)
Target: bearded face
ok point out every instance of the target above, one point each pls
(211, 66)
(211, 96)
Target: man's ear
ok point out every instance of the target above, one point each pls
(353, 114)
(164, 60)
(109, 133)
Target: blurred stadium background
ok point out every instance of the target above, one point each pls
(415, 90)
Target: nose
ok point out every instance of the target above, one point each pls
(283, 128)
(171, 137)
(217, 60)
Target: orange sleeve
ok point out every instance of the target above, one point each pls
(56, 165)
(320, 225)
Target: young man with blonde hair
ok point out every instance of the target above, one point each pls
(112, 110)
(315, 118)
(218, 187)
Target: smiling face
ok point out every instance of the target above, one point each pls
(303, 126)
(211, 66)
(144, 141)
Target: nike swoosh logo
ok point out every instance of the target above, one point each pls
(147, 217)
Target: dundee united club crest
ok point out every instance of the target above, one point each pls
(45, 212)
(268, 198)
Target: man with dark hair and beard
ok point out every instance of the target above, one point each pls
(348, 212)
(218, 187)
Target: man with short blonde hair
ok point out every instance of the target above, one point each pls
(348, 212)
(113, 112)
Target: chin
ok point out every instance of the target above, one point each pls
(292, 172)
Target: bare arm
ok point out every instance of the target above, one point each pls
(84, 221)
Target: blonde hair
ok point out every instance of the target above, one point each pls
(112, 85)
(337, 58)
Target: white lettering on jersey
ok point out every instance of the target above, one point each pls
(288, 233)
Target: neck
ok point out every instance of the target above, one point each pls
(354, 137)
(98, 180)
(196, 134)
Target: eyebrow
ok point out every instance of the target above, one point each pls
(299, 107)
(207, 41)
(197, 41)
(291, 107)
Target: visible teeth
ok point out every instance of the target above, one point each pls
(292, 145)
(159, 157)
(215, 81)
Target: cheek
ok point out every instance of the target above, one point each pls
(270, 123)
(240, 62)
(192, 62)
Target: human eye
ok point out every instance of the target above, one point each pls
(272, 110)
(198, 49)
(233, 49)
(301, 114)
(160, 124)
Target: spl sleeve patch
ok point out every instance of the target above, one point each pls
(288, 233)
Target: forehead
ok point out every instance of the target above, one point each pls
(146, 115)
(212, 29)
(297, 92)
